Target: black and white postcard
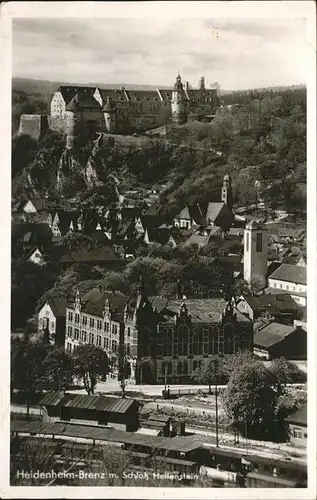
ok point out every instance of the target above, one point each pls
(158, 305)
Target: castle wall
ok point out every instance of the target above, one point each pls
(33, 125)
(57, 123)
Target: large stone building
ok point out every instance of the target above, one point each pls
(122, 110)
(166, 340)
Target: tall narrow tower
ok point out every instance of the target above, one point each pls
(179, 102)
(72, 122)
(226, 191)
(255, 253)
(109, 114)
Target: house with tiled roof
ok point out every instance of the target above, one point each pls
(292, 279)
(82, 254)
(276, 340)
(297, 423)
(281, 306)
(51, 319)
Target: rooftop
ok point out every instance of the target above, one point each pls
(290, 273)
(201, 310)
(299, 416)
(271, 334)
(83, 254)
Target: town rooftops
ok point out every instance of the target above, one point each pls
(290, 273)
(82, 255)
(272, 334)
(298, 417)
(201, 310)
(278, 291)
(197, 239)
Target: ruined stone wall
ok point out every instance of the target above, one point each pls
(33, 125)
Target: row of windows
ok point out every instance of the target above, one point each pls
(287, 287)
(195, 348)
(93, 323)
(97, 340)
(181, 368)
(183, 334)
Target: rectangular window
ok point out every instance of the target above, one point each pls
(77, 318)
(99, 340)
(92, 338)
(105, 343)
(76, 333)
(70, 316)
(297, 433)
(116, 329)
(69, 331)
(99, 324)
(52, 325)
(84, 336)
(129, 331)
(91, 322)
(84, 320)
(259, 242)
(107, 326)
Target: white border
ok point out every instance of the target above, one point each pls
(151, 10)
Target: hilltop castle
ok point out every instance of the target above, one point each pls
(121, 111)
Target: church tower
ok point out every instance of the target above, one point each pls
(179, 103)
(109, 114)
(226, 191)
(255, 253)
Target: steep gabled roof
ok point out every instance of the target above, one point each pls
(213, 210)
(58, 306)
(143, 95)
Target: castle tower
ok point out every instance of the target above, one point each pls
(255, 253)
(109, 114)
(226, 191)
(179, 103)
(72, 120)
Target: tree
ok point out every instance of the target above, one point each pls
(91, 364)
(251, 398)
(27, 367)
(211, 373)
(235, 361)
(286, 372)
(58, 369)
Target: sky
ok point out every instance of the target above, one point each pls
(237, 52)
